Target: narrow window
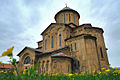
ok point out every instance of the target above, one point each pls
(40, 70)
(60, 40)
(69, 18)
(43, 66)
(59, 18)
(64, 18)
(101, 53)
(44, 69)
(68, 68)
(77, 20)
(47, 66)
(74, 19)
(39, 67)
(52, 42)
(75, 46)
(45, 44)
(71, 47)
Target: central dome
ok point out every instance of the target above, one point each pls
(67, 15)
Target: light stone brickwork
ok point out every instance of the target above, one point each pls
(82, 47)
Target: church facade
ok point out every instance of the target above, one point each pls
(67, 47)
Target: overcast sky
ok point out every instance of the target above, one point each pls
(22, 21)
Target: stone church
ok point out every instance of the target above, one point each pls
(67, 47)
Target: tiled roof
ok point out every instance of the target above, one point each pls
(3, 65)
(61, 55)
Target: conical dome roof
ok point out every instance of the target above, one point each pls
(67, 9)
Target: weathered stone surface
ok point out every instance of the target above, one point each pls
(86, 50)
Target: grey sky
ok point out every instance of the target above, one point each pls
(22, 21)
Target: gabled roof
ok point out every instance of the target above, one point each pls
(33, 49)
(95, 28)
(72, 24)
(67, 25)
(88, 26)
(47, 28)
(85, 34)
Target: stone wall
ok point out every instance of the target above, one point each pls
(23, 55)
(55, 30)
(98, 33)
(72, 15)
(61, 65)
(44, 64)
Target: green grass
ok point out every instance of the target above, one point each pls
(36, 76)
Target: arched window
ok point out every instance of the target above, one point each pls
(74, 19)
(60, 40)
(69, 18)
(39, 67)
(101, 52)
(59, 18)
(43, 66)
(45, 44)
(68, 68)
(77, 20)
(27, 60)
(52, 42)
(47, 66)
(64, 18)
(71, 47)
(40, 70)
(44, 69)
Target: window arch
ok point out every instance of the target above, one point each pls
(60, 40)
